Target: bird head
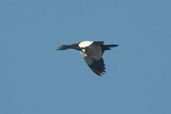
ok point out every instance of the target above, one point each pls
(63, 47)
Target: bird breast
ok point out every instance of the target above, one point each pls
(83, 54)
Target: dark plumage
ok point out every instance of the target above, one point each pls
(92, 52)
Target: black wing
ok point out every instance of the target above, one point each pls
(97, 66)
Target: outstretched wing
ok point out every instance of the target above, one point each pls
(97, 66)
(93, 57)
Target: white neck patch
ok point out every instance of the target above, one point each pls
(84, 44)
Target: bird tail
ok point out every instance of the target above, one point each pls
(108, 47)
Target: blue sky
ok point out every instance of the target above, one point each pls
(35, 79)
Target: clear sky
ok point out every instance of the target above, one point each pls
(36, 79)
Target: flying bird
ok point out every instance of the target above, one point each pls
(92, 52)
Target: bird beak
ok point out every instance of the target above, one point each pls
(58, 49)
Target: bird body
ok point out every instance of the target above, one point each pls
(92, 52)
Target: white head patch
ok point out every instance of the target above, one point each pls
(84, 44)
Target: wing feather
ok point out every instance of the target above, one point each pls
(93, 57)
(97, 66)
